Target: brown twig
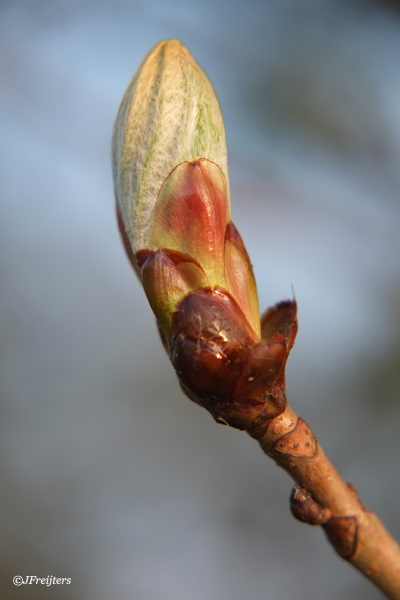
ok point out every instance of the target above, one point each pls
(321, 497)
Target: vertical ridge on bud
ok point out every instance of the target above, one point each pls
(169, 114)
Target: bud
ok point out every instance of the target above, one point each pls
(172, 191)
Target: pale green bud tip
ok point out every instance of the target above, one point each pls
(169, 114)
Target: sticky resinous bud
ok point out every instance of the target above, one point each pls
(172, 192)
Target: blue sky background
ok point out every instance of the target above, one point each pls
(109, 475)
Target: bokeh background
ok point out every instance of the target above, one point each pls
(108, 474)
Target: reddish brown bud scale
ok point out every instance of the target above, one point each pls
(282, 318)
(191, 213)
(226, 368)
(209, 334)
(239, 276)
(167, 276)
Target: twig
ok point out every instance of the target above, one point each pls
(323, 498)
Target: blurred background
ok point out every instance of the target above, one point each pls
(109, 475)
